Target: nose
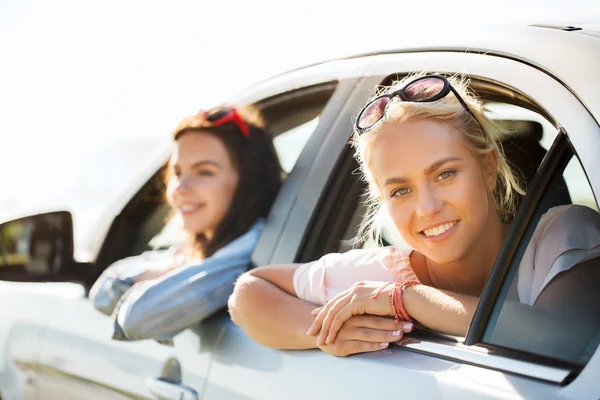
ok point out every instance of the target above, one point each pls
(182, 185)
(428, 203)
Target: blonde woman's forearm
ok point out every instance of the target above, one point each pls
(440, 310)
(269, 314)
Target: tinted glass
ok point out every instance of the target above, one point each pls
(549, 304)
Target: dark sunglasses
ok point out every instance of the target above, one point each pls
(422, 90)
(222, 115)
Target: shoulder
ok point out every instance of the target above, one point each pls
(568, 227)
(564, 237)
(242, 246)
(372, 259)
(321, 280)
(371, 254)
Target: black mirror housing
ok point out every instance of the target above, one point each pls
(37, 247)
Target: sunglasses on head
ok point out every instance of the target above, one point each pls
(222, 115)
(422, 90)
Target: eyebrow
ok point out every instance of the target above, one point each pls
(201, 163)
(436, 165)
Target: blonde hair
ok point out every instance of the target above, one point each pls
(449, 110)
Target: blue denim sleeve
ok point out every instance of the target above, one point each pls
(161, 308)
(119, 277)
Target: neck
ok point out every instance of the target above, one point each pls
(469, 274)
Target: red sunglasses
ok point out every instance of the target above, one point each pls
(222, 115)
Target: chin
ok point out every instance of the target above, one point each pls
(193, 229)
(448, 257)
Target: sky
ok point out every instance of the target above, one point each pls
(89, 91)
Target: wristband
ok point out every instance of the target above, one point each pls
(398, 301)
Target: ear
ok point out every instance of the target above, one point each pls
(491, 169)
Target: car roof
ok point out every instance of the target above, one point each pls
(570, 53)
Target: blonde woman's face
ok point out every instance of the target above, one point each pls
(435, 189)
(203, 181)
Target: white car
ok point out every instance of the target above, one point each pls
(542, 82)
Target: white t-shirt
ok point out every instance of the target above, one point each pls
(320, 281)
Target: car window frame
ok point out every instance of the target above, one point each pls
(303, 186)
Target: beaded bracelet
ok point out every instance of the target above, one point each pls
(396, 297)
(396, 294)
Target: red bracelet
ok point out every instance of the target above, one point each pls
(397, 295)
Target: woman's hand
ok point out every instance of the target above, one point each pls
(354, 301)
(366, 333)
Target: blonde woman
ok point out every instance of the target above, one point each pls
(433, 163)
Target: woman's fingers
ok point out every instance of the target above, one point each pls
(335, 322)
(321, 313)
(366, 333)
(316, 310)
(369, 335)
(353, 347)
(381, 323)
(324, 312)
(333, 311)
(370, 328)
(318, 322)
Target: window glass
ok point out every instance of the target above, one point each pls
(289, 144)
(549, 304)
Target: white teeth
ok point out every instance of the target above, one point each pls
(188, 208)
(438, 230)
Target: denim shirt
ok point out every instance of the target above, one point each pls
(163, 307)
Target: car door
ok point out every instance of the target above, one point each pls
(424, 365)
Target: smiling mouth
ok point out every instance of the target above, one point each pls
(439, 230)
(189, 209)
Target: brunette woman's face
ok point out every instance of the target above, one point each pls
(203, 181)
(437, 192)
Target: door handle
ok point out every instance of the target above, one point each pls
(165, 390)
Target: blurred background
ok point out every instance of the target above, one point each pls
(90, 91)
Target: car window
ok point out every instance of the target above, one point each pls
(554, 314)
(289, 144)
(291, 118)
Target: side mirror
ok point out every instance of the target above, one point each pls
(37, 248)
